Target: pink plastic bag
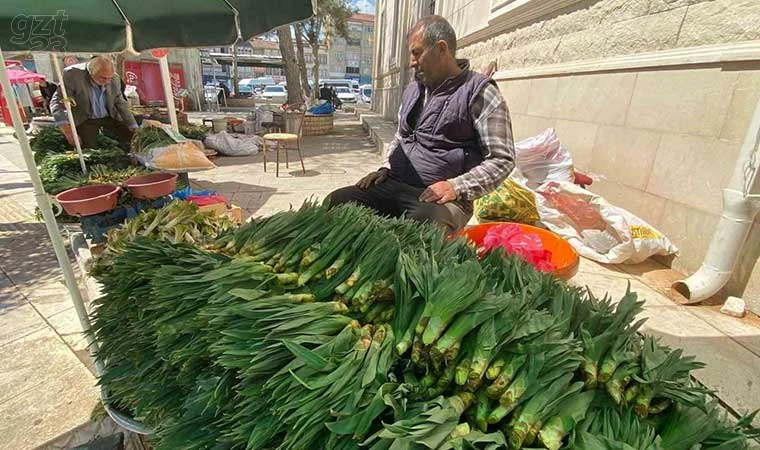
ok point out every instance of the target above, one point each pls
(527, 246)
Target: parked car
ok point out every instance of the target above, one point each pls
(278, 93)
(366, 93)
(246, 91)
(345, 95)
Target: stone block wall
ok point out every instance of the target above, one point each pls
(318, 125)
(607, 28)
(661, 143)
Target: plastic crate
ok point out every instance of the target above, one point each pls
(95, 227)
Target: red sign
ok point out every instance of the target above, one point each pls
(146, 75)
(159, 52)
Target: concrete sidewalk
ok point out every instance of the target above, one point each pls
(49, 387)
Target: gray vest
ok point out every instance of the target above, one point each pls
(439, 142)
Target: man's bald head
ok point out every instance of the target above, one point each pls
(435, 29)
(101, 70)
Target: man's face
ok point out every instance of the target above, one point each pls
(425, 59)
(104, 76)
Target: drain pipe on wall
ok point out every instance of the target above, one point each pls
(740, 207)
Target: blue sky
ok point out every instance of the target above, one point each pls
(365, 6)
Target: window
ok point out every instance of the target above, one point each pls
(353, 59)
(368, 28)
(355, 41)
(354, 70)
(355, 27)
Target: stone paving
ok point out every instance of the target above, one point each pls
(49, 385)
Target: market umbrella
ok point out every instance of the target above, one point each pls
(17, 76)
(109, 26)
(102, 26)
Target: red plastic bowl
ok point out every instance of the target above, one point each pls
(564, 256)
(152, 185)
(89, 200)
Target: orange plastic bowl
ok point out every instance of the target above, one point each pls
(564, 256)
(152, 185)
(89, 200)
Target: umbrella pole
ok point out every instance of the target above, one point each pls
(70, 115)
(47, 211)
(167, 82)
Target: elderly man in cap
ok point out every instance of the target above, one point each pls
(454, 139)
(98, 103)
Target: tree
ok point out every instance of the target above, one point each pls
(298, 30)
(329, 16)
(295, 92)
(235, 87)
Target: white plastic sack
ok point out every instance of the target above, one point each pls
(541, 158)
(233, 144)
(595, 228)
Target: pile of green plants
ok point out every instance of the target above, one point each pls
(337, 329)
(62, 171)
(177, 222)
(192, 131)
(50, 140)
(146, 138)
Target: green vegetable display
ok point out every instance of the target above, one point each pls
(50, 140)
(58, 170)
(146, 138)
(337, 329)
(192, 131)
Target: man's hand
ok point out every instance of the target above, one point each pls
(66, 130)
(376, 177)
(440, 192)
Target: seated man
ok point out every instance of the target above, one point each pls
(454, 141)
(99, 103)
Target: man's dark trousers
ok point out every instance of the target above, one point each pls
(89, 129)
(396, 199)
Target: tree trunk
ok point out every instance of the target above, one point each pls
(295, 92)
(315, 69)
(302, 61)
(235, 87)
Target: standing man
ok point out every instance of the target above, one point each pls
(454, 141)
(98, 103)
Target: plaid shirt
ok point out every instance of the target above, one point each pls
(494, 128)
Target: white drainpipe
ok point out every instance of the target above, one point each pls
(740, 207)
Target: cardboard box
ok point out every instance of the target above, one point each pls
(234, 212)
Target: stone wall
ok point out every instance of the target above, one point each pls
(607, 28)
(660, 143)
(317, 125)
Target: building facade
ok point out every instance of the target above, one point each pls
(652, 97)
(351, 58)
(256, 58)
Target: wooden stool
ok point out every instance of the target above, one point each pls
(281, 140)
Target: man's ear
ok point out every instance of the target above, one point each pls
(443, 47)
